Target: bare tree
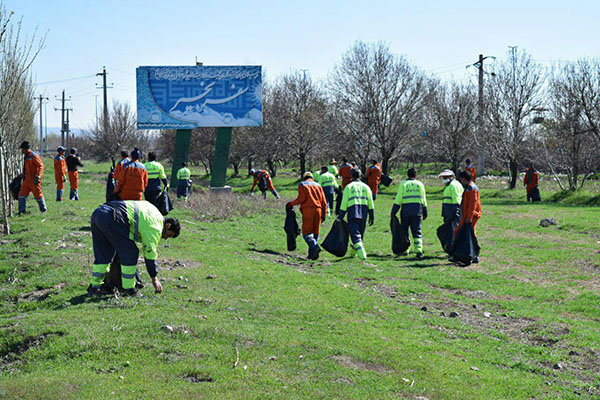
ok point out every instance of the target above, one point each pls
(513, 98)
(451, 120)
(382, 91)
(298, 115)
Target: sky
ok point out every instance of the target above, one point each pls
(441, 37)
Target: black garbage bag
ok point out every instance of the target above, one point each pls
(291, 229)
(262, 184)
(110, 186)
(337, 239)
(445, 233)
(15, 187)
(163, 202)
(535, 194)
(386, 180)
(465, 246)
(400, 240)
(338, 200)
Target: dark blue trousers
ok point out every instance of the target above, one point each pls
(183, 187)
(110, 236)
(356, 229)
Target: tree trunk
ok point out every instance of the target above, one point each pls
(302, 165)
(249, 163)
(272, 168)
(514, 173)
(385, 162)
(3, 193)
(236, 168)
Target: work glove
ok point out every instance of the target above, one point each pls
(36, 179)
(424, 213)
(64, 178)
(371, 220)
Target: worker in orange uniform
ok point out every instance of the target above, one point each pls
(471, 168)
(532, 180)
(374, 177)
(133, 179)
(344, 172)
(33, 171)
(60, 172)
(313, 207)
(119, 168)
(264, 182)
(73, 162)
(471, 205)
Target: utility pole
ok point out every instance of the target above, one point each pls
(42, 98)
(514, 63)
(62, 118)
(67, 128)
(104, 87)
(479, 66)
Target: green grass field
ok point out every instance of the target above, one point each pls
(241, 317)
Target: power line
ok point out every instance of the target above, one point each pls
(63, 80)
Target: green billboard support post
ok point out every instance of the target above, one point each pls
(182, 151)
(221, 160)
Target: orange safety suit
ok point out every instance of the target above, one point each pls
(119, 168)
(133, 181)
(31, 167)
(532, 179)
(60, 170)
(344, 172)
(260, 174)
(471, 206)
(374, 177)
(313, 206)
(471, 168)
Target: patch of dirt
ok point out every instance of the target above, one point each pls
(197, 377)
(172, 265)
(11, 354)
(41, 294)
(281, 258)
(348, 362)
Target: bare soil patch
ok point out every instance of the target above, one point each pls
(41, 294)
(349, 362)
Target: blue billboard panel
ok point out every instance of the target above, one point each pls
(198, 96)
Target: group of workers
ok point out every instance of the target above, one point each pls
(460, 203)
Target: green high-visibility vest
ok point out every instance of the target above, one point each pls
(328, 179)
(411, 191)
(145, 226)
(155, 170)
(452, 193)
(184, 173)
(357, 193)
(332, 169)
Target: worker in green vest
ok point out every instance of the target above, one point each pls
(358, 203)
(332, 168)
(329, 184)
(156, 175)
(412, 203)
(183, 181)
(116, 227)
(451, 198)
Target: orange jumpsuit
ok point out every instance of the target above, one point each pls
(119, 168)
(471, 206)
(471, 168)
(60, 170)
(374, 177)
(344, 172)
(313, 206)
(260, 175)
(133, 181)
(533, 182)
(33, 166)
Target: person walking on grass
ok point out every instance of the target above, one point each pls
(121, 164)
(73, 162)
(156, 175)
(116, 227)
(531, 182)
(183, 181)
(357, 204)
(33, 171)
(329, 184)
(451, 198)
(471, 205)
(60, 172)
(133, 180)
(313, 207)
(411, 201)
(471, 168)
(374, 177)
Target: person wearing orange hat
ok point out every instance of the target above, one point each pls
(60, 172)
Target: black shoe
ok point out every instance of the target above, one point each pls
(131, 292)
(452, 259)
(93, 291)
(475, 260)
(419, 256)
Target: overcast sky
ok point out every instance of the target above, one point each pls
(441, 37)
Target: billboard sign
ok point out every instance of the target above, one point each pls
(185, 97)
